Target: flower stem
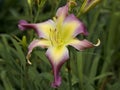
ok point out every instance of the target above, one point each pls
(56, 89)
(69, 75)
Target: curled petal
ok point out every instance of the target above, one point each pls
(57, 57)
(37, 43)
(21, 23)
(42, 29)
(84, 44)
(74, 25)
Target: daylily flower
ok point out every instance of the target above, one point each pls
(56, 35)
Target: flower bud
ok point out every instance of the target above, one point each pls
(29, 3)
(88, 4)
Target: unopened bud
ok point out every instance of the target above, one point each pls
(88, 4)
(29, 3)
(24, 42)
(71, 4)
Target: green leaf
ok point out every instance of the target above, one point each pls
(115, 86)
(7, 84)
(103, 75)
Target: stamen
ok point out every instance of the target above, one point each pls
(55, 37)
(50, 36)
(54, 19)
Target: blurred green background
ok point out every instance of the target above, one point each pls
(93, 69)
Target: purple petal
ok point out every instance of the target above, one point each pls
(42, 29)
(37, 43)
(88, 1)
(62, 11)
(57, 57)
(80, 27)
(82, 45)
(21, 23)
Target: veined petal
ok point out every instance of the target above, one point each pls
(72, 27)
(37, 43)
(42, 29)
(57, 57)
(82, 44)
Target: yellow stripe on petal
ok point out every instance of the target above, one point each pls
(57, 54)
(72, 27)
(57, 57)
(45, 27)
(69, 29)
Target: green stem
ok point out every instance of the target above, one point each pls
(31, 15)
(69, 75)
(21, 81)
(36, 17)
(80, 68)
(56, 88)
